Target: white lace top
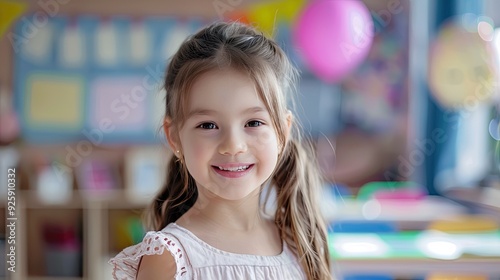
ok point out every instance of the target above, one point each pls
(196, 259)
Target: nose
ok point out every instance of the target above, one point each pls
(233, 142)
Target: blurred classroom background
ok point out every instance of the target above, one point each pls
(400, 98)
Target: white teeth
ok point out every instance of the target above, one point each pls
(233, 169)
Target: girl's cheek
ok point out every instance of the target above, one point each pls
(201, 144)
(264, 139)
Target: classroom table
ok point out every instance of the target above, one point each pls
(408, 214)
(416, 253)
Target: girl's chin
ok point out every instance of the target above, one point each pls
(232, 193)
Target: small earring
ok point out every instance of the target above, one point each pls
(178, 155)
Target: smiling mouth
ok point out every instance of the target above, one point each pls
(234, 169)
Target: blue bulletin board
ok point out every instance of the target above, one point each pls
(92, 78)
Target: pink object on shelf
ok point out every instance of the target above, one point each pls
(400, 194)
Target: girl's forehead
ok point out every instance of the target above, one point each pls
(224, 74)
(222, 85)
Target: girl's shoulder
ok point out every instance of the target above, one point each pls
(126, 263)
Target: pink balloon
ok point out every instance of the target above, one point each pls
(333, 37)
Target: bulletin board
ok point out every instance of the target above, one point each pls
(91, 78)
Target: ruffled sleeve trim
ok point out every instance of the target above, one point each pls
(126, 263)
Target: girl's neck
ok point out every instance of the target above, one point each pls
(233, 226)
(239, 216)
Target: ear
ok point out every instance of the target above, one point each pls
(172, 134)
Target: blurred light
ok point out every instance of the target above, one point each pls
(445, 249)
(439, 245)
(496, 47)
(474, 23)
(360, 247)
(371, 209)
(486, 19)
(494, 128)
(485, 31)
(496, 36)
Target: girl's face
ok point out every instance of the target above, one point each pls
(229, 144)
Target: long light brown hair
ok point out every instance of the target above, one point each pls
(296, 178)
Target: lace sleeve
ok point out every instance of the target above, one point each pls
(126, 263)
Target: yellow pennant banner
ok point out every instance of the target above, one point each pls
(9, 12)
(266, 16)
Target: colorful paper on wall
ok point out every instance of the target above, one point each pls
(55, 101)
(139, 42)
(121, 101)
(37, 48)
(72, 48)
(88, 78)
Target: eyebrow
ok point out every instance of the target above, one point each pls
(206, 112)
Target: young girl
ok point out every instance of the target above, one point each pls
(231, 133)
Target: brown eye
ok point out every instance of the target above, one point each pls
(207, 126)
(254, 123)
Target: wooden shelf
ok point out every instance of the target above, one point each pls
(67, 219)
(34, 202)
(95, 216)
(115, 199)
